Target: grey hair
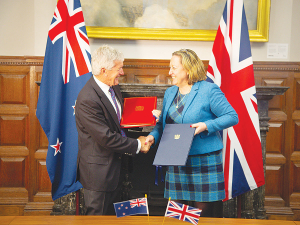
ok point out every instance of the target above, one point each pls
(105, 57)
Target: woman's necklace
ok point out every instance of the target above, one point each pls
(181, 99)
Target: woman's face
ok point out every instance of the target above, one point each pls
(177, 72)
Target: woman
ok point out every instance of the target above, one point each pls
(194, 101)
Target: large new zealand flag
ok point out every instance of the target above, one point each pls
(67, 59)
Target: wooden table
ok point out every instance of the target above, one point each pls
(138, 220)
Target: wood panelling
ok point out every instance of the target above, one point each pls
(295, 145)
(13, 196)
(146, 71)
(13, 124)
(281, 193)
(297, 93)
(25, 188)
(44, 184)
(24, 181)
(275, 130)
(14, 168)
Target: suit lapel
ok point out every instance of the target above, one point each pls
(105, 101)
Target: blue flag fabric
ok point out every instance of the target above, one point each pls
(131, 207)
(67, 67)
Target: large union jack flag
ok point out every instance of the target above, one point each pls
(183, 212)
(231, 68)
(67, 58)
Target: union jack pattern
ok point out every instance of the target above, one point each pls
(183, 212)
(138, 202)
(67, 24)
(231, 68)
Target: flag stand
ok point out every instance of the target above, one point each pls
(148, 208)
(239, 205)
(165, 213)
(77, 196)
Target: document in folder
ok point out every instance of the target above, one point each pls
(174, 146)
(137, 112)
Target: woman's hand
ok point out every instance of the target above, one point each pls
(200, 127)
(156, 113)
(149, 140)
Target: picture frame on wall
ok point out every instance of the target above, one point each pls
(190, 20)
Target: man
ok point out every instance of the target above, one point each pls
(101, 141)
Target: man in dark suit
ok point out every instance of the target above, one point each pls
(101, 141)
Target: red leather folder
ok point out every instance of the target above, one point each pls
(137, 112)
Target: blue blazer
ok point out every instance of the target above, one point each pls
(205, 103)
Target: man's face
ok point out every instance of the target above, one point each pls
(114, 74)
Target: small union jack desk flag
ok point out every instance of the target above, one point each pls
(66, 69)
(131, 207)
(183, 212)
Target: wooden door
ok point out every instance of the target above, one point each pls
(24, 183)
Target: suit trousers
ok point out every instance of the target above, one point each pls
(100, 202)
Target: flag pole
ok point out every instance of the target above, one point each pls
(239, 206)
(77, 196)
(148, 209)
(165, 213)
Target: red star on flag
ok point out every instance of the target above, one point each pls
(73, 106)
(57, 147)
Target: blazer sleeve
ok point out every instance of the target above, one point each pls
(221, 108)
(93, 119)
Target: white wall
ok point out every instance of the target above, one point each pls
(17, 27)
(43, 13)
(24, 26)
(295, 34)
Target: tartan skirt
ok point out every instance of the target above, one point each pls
(200, 180)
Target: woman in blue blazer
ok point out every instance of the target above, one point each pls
(194, 101)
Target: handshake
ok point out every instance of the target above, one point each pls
(146, 143)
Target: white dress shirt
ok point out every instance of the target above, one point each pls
(105, 89)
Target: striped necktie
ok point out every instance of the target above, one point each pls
(113, 96)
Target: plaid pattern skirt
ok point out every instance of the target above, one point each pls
(200, 180)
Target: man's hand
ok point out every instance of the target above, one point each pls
(145, 146)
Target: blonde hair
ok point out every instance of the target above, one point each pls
(105, 57)
(192, 64)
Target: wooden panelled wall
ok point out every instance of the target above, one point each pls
(25, 188)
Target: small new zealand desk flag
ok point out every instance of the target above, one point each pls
(131, 207)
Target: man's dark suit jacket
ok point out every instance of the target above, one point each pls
(100, 142)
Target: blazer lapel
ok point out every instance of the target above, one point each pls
(169, 102)
(105, 101)
(191, 96)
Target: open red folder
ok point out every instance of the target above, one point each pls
(137, 112)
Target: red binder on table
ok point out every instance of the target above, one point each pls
(137, 112)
